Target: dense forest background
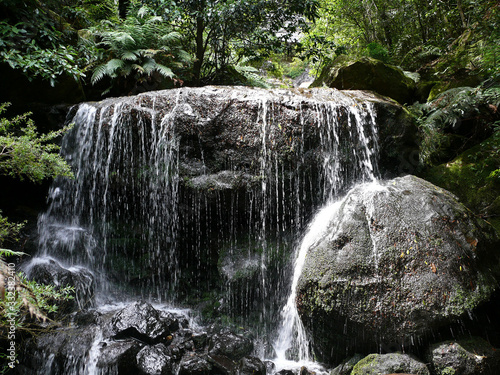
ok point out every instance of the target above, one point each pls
(128, 46)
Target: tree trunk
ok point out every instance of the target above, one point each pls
(123, 8)
(200, 50)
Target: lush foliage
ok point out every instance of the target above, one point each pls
(37, 40)
(26, 154)
(411, 33)
(221, 33)
(141, 49)
(440, 116)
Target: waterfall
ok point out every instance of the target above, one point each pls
(177, 197)
(292, 342)
(126, 168)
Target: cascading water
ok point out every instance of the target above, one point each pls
(292, 342)
(162, 205)
(125, 180)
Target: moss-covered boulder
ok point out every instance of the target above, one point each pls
(375, 364)
(473, 356)
(368, 74)
(396, 260)
(474, 176)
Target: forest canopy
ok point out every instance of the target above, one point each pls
(129, 46)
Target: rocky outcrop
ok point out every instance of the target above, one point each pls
(473, 356)
(368, 74)
(398, 260)
(388, 364)
(139, 339)
(49, 271)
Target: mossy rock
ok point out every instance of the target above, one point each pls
(368, 74)
(473, 356)
(474, 176)
(389, 363)
(394, 262)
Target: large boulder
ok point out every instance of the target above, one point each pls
(388, 364)
(473, 356)
(396, 260)
(368, 74)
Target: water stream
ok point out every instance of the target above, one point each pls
(149, 222)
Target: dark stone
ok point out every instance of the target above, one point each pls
(346, 367)
(397, 261)
(473, 356)
(50, 272)
(141, 321)
(119, 356)
(389, 363)
(222, 364)
(285, 372)
(193, 364)
(155, 360)
(56, 351)
(230, 345)
(368, 74)
(252, 366)
(200, 340)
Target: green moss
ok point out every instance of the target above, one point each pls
(472, 177)
(448, 371)
(369, 361)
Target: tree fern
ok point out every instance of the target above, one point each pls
(140, 48)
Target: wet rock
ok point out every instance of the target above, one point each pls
(368, 74)
(395, 261)
(142, 321)
(222, 364)
(465, 357)
(56, 351)
(87, 317)
(200, 340)
(230, 345)
(285, 372)
(389, 363)
(346, 367)
(155, 360)
(251, 366)
(50, 272)
(119, 356)
(192, 364)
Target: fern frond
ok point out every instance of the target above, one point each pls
(129, 55)
(99, 72)
(164, 71)
(113, 65)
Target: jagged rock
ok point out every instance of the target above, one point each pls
(155, 360)
(389, 363)
(192, 364)
(50, 272)
(230, 345)
(474, 356)
(346, 367)
(119, 357)
(395, 260)
(142, 321)
(368, 74)
(251, 366)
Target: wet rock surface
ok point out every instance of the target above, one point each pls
(466, 357)
(368, 74)
(138, 339)
(389, 363)
(398, 260)
(48, 271)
